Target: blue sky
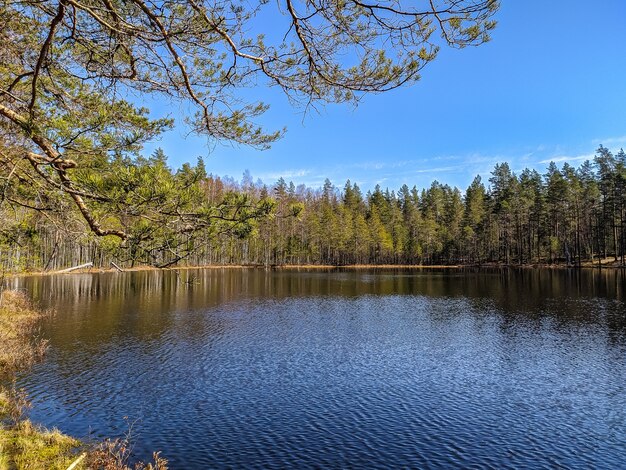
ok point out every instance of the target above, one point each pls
(551, 85)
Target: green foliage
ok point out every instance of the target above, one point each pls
(69, 134)
(26, 446)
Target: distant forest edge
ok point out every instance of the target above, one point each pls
(567, 215)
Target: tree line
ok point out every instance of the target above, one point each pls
(566, 215)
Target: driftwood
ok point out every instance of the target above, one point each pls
(119, 270)
(76, 462)
(74, 268)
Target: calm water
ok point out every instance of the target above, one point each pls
(377, 369)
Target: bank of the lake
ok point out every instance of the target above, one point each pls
(22, 443)
(608, 263)
(27, 445)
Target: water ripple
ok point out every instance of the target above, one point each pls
(367, 378)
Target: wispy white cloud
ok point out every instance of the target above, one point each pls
(446, 157)
(378, 165)
(273, 176)
(568, 158)
(610, 141)
(438, 170)
(370, 166)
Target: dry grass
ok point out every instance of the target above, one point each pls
(19, 323)
(114, 455)
(13, 405)
(22, 444)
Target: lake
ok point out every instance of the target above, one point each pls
(245, 368)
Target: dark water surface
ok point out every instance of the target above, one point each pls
(340, 369)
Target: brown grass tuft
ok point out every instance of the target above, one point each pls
(113, 454)
(19, 323)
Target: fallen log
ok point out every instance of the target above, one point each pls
(76, 462)
(119, 270)
(74, 268)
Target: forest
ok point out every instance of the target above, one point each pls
(569, 216)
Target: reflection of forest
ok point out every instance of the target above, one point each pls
(206, 286)
(142, 301)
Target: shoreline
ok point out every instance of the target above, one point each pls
(24, 443)
(355, 267)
